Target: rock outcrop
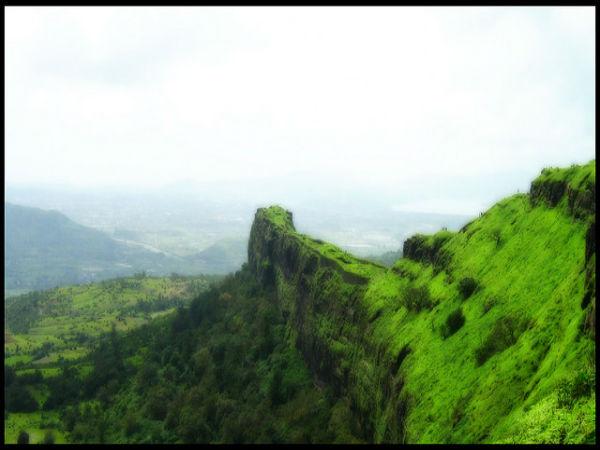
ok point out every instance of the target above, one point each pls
(320, 290)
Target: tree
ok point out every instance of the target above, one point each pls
(19, 399)
(131, 425)
(23, 437)
(454, 322)
(9, 375)
(181, 321)
(467, 286)
(48, 437)
(417, 298)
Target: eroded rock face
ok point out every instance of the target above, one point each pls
(550, 191)
(589, 296)
(581, 199)
(322, 304)
(582, 202)
(263, 242)
(590, 241)
(314, 286)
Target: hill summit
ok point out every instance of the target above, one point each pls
(484, 335)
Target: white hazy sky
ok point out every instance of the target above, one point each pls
(380, 96)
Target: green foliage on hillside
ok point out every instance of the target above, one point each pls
(522, 266)
(481, 336)
(221, 370)
(52, 331)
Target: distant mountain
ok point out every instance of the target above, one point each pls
(226, 255)
(45, 249)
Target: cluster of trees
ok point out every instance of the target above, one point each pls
(221, 370)
(417, 298)
(149, 306)
(17, 395)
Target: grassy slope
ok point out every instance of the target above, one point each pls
(534, 274)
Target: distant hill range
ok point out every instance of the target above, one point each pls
(44, 249)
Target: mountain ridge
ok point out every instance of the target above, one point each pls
(344, 312)
(483, 335)
(44, 249)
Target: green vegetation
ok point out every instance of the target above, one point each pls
(417, 298)
(522, 265)
(51, 333)
(46, 326)
(481, 336)
(504, 333)
(454, 321)
(202, 374)
(467, 286)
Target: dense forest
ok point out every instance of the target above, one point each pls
(482, 335)
(220, 370)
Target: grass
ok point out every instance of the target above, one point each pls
(282, 220)
(499, 372)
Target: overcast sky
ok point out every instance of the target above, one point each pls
(380, 97)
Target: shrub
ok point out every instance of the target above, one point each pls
(157, 403)
(48, 437)
(23, 437)
(504, 333)
(467, 286)
(417, 298)
(454, 322)
(131, 424)
(570, 390)
(19, 399)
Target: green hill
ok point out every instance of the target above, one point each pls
(222, 257)
(45, 249)
(485, 335)
(475, 336)
(46, 331)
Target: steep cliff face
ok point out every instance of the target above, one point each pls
(422, 357)
(321, 290)
(575, 186)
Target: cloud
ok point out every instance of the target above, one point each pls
(383, 96)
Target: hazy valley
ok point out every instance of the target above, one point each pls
(187, 231)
